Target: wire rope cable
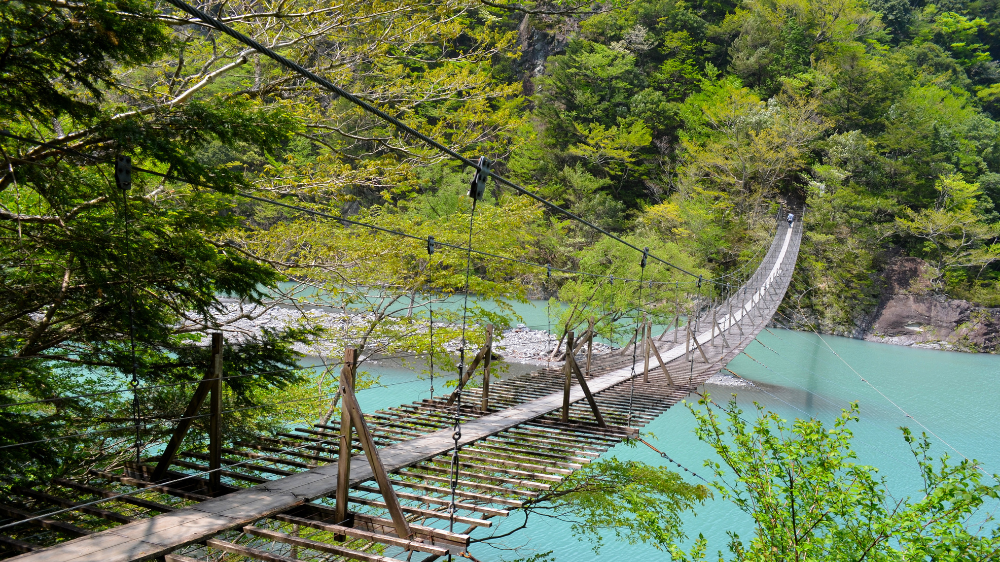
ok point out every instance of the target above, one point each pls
(457, 426)
(123, 180)
(635, 339)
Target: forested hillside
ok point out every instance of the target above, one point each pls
(679, 126)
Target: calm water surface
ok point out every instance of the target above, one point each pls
(952, 394)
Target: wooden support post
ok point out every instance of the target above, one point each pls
(472, 368)
(687, 338)
(590, 344)
(486, 368)
(203, 389)
(347, 374)
(586, 392)
(663, 366)
(677, 317)
(568, 367)
(378, 469)
(714, 326)
(702, 351)
(215, 424)
(647, 342)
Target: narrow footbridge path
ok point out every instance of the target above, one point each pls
(275, 501)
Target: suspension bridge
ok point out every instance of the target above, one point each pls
(414, 480)
(462, 460)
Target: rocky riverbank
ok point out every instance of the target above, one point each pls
(518, 345)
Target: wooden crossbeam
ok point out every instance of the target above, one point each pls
(278, 536)
(347, 374)
(355, 533)
(568, 371)
(43, 522)
(63, 502)
(663, 366)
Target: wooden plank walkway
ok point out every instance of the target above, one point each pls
(165, 533)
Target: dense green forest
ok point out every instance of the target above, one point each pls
(681, 126)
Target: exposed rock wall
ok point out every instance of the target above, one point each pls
(911, 314)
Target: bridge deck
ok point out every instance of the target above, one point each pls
(518, 450)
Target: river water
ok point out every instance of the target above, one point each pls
(799, 375)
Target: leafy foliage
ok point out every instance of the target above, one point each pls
(811, 500)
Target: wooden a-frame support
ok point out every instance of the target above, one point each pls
(570, 369)
(650, 347)
(210, 384)
(352, 418)
(484, 356)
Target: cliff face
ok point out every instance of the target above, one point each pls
(538, 44)
(910, 314)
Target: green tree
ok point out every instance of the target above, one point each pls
(811, 500)
(85, 264)
(956, 236)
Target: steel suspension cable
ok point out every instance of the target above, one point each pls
(457, 433)
(123, 180)
(635, 339)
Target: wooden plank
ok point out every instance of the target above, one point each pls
(316, 545)
(138, 502)
(568, 377)
(180, 558)
(425, 513)
(663, 366)
(590, 345)
(215, 420)
(460, 493)
(431, 500)
(465, 483)
(647, 328)
(467, 375)
(485, 398)
(183, 494)
(204, 387)
(385, 527)
(44, 522)
(361, 534)
(63, 502)
(166, 532)
(19, 545)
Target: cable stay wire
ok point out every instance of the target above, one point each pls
(882, 394)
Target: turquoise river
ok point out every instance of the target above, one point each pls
(798, 374)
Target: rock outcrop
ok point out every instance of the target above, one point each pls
(912, 314)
